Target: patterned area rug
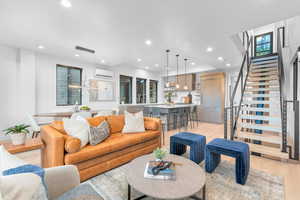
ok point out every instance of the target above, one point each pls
(220, 185)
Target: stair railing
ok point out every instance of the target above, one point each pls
(281, 76)
(241, 80)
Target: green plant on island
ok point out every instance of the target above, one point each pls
(85, 108)
(159, 153)
(21, 128)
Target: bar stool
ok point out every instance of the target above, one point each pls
(155, 112)
(180, 117)
(187, 117)
(194, 115)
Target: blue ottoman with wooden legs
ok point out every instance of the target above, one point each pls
(238, 150)
(196, 142)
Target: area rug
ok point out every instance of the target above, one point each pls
(220, 185)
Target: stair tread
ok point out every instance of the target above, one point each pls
(263, 127)
(258, 74)
(254, 109)
(268, 69)
(261, 117)
(264, 78)
(272, 57)
(275, 139)
(264, 62)
(251, 95)
(268, 66)
(268, 150)
(261, 89)
(263, 84)
(256, 102)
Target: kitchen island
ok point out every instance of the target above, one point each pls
(174, 115)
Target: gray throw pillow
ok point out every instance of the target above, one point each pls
(99, 133)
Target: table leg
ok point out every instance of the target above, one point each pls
(203, 194)
(129, 192)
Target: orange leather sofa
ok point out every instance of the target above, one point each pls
(117, 149)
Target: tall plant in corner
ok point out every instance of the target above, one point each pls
(17, 133)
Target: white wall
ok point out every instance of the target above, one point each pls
(28, 83)
(8, 86)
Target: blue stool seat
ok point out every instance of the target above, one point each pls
(196, 142)
(238, 150)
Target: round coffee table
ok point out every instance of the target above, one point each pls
(190, 179)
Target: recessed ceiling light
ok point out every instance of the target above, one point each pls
(209, 49)
(147, 67)
(193, 63)
(228, 64)
(77, 55)
(66, 3)
(220, 58)
(41, 47)
(156, 65)
(148, 42)
(139, 60)
(102, 61)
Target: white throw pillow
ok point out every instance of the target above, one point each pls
(134, 122)
(17, 186)
(78, 128)
(8, 161)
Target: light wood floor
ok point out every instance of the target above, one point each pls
(290, 171)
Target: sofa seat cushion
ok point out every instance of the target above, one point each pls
(113, 143)
(116, 123)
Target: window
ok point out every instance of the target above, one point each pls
(68, 85)
(141, 90)
(125, 89)
(153, 91)
(264, 44)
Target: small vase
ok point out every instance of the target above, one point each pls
(18, 138)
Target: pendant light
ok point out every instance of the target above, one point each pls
(167, 68)
(185, 86)
(177, 84)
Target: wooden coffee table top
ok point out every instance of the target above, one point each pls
(30, 144)
(190, 178)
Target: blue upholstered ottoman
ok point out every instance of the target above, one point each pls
(238, 150)
(196, 142)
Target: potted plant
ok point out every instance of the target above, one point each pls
(159, 154)
(85, 108)
(17, 133)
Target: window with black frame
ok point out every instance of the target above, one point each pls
(141, 90)
(125, 89)
(153, 91)
(68, 85)
(264, 44)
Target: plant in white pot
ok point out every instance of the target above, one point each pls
(17, 133)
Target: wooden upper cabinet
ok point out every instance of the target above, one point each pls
(190, 81)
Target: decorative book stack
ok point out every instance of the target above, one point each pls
(165, 174)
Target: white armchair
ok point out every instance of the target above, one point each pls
(61, 179)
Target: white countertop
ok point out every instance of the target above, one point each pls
(167, 106)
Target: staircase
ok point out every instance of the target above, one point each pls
(259, 123)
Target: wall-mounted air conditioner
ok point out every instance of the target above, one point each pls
(102, 73)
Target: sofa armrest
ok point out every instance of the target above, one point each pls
(61, 179)
(52, 154)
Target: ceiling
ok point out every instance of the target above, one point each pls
(117, 29)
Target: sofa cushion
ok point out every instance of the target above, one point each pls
(95, 121)
(115, 142)
(72, 144)
(134, 122)
(99, 133)
(116, 123)
(78, 128)
(59, 126)
(151, 125)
